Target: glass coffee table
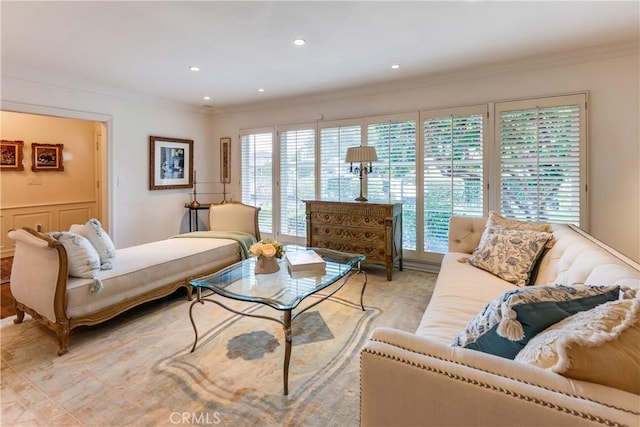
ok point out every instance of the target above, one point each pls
(279, 290)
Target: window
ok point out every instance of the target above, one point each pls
(297, 178)
(436, 163)
(336, 183)
(454, 172)
(394, 177)
(257, 175)
(542, 161)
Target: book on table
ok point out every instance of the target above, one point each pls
(307, 260)
(305, 274)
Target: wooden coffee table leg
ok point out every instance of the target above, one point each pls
(287, 349)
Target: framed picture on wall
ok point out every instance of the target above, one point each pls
(11, 155)
(225, 160)
(46, 157)
(170, 163)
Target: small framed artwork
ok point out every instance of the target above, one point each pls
(46, 157)
(11, 155)
(170, 163)
(225, 160)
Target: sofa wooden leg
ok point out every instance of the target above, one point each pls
(63, 333)
(19, 314)
(63, 343)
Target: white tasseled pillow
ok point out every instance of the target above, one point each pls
(100, 240)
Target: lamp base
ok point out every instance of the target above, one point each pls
(361, 199)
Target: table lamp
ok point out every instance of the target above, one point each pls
(362, 154)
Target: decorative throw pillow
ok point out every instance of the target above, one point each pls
(84, 261)
(601, 345)
(100, 240)
(495, 219)
(509, 253)
(507, 323)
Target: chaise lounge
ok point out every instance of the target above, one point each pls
(43, 288)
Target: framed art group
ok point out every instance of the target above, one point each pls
(44, 157)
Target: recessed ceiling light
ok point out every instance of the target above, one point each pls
(395, 66)
(299, 42)
(260, 90)
(194, 68)
(206, 98)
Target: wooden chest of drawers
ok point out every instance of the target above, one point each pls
(371, 229)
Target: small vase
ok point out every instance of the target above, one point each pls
(266, 265)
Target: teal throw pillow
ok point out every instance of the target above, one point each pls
(506, 324)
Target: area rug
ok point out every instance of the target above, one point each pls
(137, 369)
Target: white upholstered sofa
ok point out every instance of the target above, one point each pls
(420, 379)
(43, 288)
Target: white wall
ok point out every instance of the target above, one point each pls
(137, 215)
(614, 129)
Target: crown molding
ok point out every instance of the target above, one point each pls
(106, 92)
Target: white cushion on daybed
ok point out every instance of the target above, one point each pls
(139, 269)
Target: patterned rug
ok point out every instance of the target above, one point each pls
(137, 369)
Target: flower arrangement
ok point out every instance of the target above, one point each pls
(268, 248)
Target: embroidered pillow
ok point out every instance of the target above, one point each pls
(496, 219)
(100, 240)
(84, 261)
(600, 346)
(510, 254)
(507, 323)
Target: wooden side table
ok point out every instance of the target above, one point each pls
(193, 215)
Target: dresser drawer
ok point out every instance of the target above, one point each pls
(347, 220)
(374, 254)
(360, 235)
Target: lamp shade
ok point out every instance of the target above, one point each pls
(361, 154)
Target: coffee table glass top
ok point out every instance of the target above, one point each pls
(279, 290)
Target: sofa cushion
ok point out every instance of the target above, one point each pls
(495, 219)
(507, 323)
(461, 292)
(510, 254)
(606, 337)
(100, 240)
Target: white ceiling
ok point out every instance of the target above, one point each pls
(144, 49)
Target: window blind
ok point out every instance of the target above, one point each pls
(394, 177)
(453, 173)
(336, 183)
(540, 163)
(257, 166)
(297, 179)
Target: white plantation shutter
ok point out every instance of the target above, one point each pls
(541, 159)
(297, 179)
(257, 177)
(394, 174)
(454, 172)
(336, 183)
